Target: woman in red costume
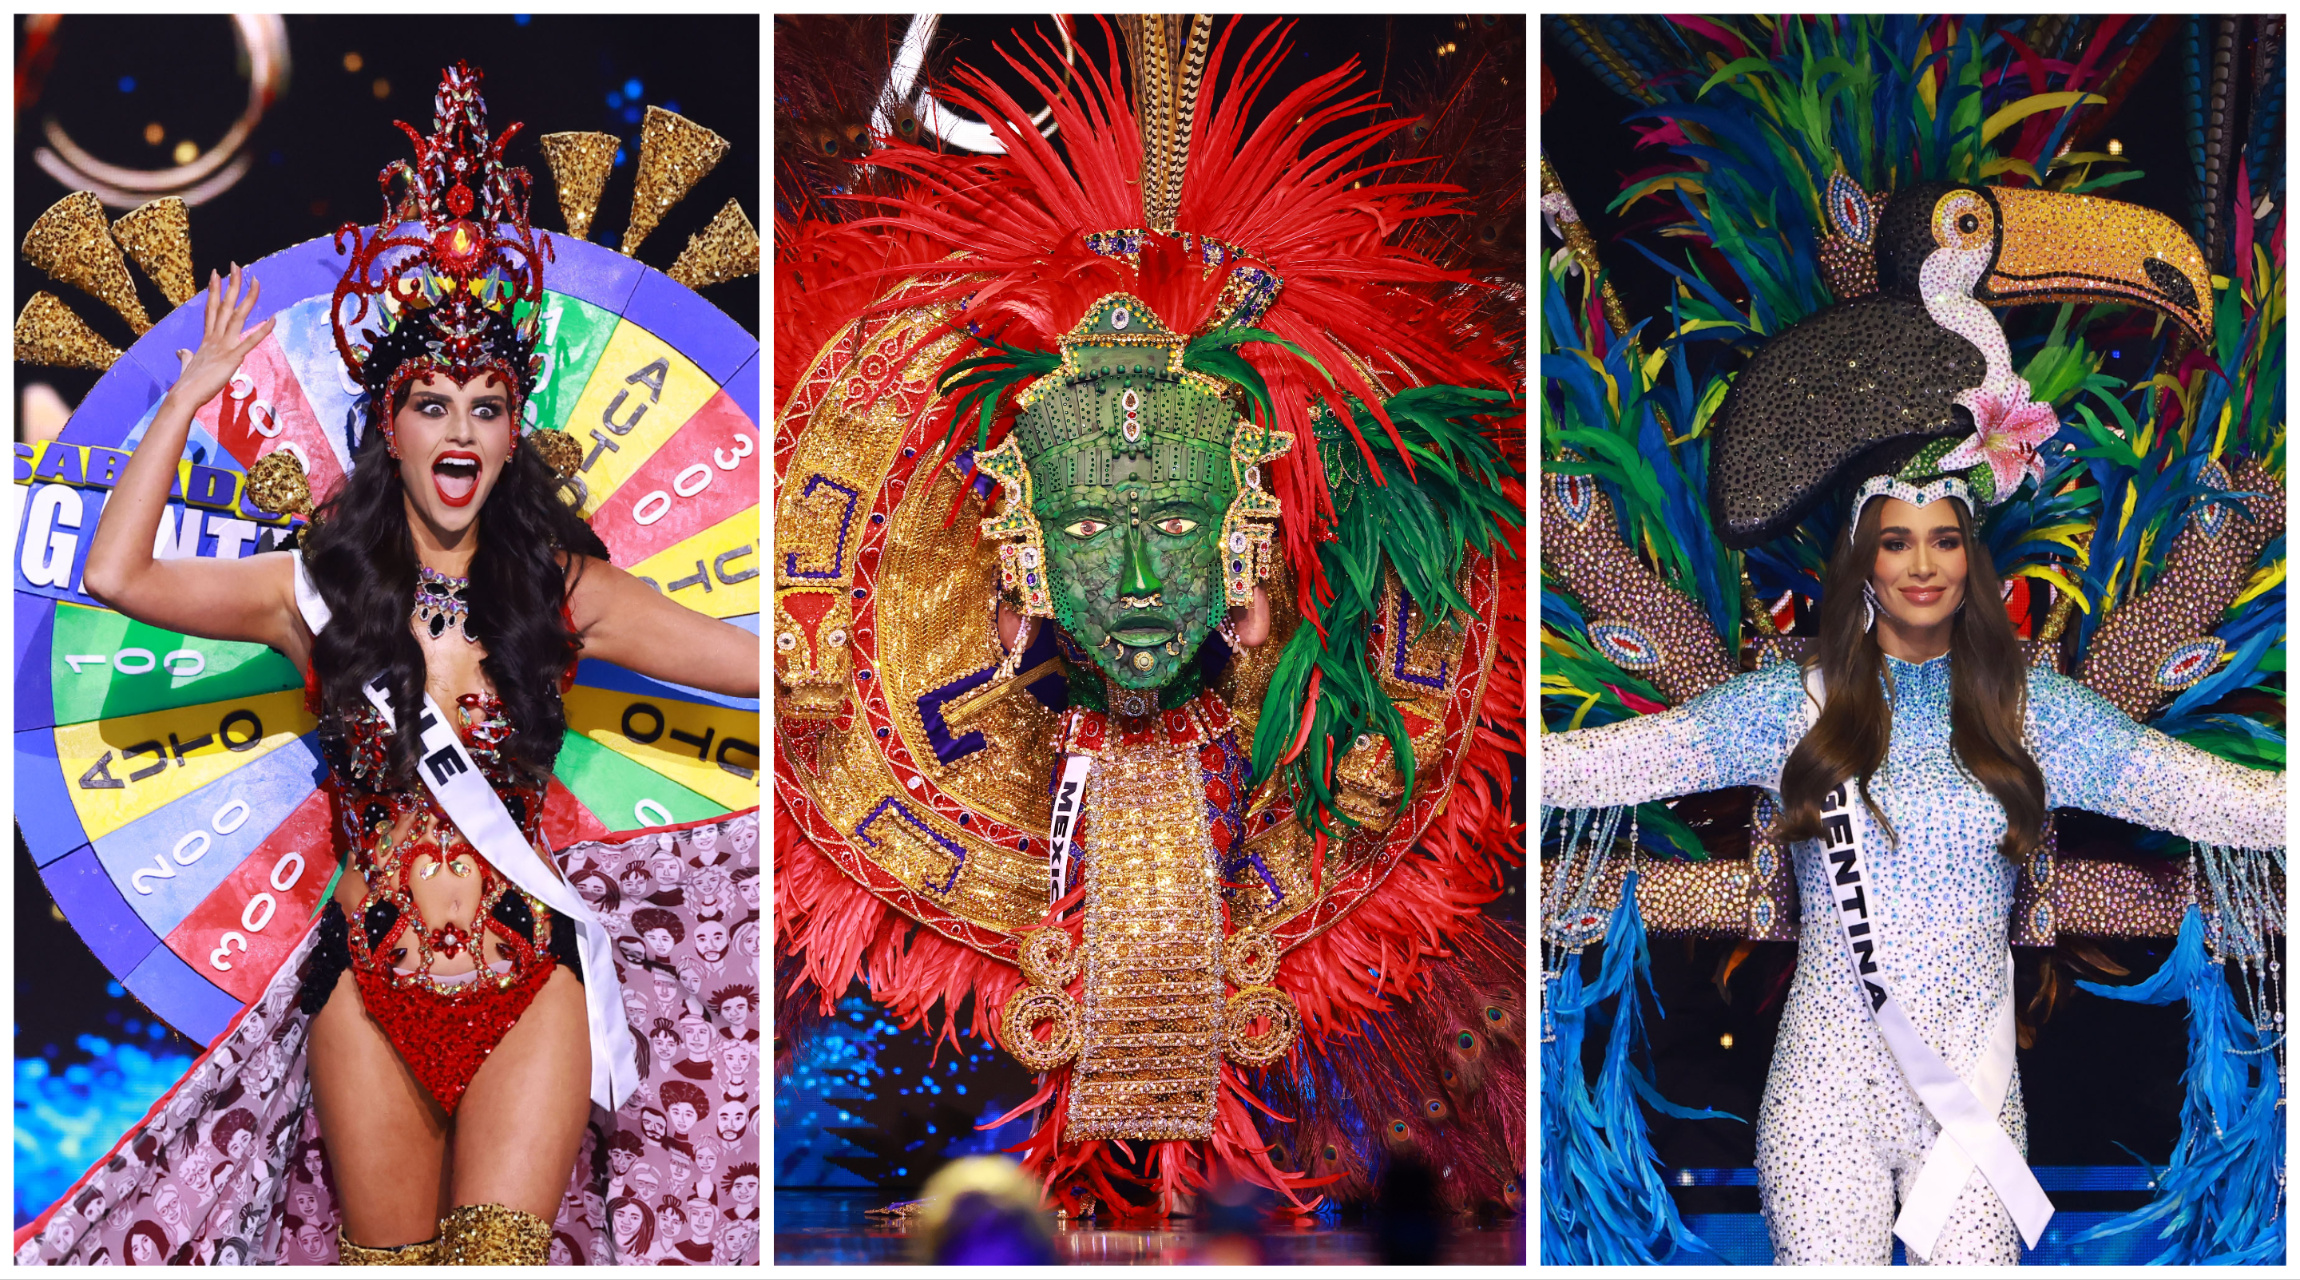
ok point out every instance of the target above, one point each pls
(465, 1009)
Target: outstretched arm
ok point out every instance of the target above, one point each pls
(624, 621)
(2095, 757)
(1738, 734)
(237, 599)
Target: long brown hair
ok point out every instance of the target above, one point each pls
(1988, 688)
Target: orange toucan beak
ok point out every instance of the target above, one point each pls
(2056, 247)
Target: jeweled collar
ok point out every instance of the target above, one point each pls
(1906, 680)
(1202, 719)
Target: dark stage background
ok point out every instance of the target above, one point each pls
(89, 1059)
(865, 1104)
(2102, 1080)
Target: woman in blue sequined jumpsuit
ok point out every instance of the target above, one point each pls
(1840, 1134)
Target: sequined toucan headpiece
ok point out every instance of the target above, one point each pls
(1910, 376)
(451, 282)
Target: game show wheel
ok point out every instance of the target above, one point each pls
(168, 787)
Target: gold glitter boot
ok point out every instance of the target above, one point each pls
(493, 1235)
(424, 1254)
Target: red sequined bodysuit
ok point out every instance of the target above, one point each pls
(444, 1026)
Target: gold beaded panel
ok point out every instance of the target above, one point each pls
(935, 627)
(1151, 1056)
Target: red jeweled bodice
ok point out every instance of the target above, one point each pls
(444, 1025)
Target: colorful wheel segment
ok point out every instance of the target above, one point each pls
(168, 786)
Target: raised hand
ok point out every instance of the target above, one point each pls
(221, 597)
(223, 343)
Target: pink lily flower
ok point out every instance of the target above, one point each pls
(2008, 429)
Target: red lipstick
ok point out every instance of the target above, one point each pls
(456, 485)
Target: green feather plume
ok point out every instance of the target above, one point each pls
(1421, 528)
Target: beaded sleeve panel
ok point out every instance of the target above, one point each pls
(1647, 626)
(1694, 899)
(2160, 641)
(2099, 898)
(2095, 757)
(1738, 734)
(1757, 898)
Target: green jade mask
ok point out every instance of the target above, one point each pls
(1135, 493)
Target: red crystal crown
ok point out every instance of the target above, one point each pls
(453, 276)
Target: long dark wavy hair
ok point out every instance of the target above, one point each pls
(361, 557)
(1988, 690)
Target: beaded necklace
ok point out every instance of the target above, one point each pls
(441, 602)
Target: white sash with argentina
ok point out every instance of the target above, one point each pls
(1966, 1111)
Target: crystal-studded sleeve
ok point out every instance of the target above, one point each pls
(2095, 757)
(1736, 735)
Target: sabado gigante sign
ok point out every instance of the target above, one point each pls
(209, 513)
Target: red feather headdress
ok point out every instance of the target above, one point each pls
(1303, 243)
(448, 282)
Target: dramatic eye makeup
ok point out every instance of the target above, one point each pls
(1897, 540)
(433, 405)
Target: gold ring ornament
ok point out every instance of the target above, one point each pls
(1025, 1009)
(1250, 957)
(1047, 959)
(1269, 1045)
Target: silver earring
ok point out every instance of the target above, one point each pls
(1869, 607)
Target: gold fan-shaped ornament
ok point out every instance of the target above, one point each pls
(674, 154)
(558, 450)
(73, 243)
(277, 483)
(49, 333)
(580, 163)
(159, 237)
(728, 249)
